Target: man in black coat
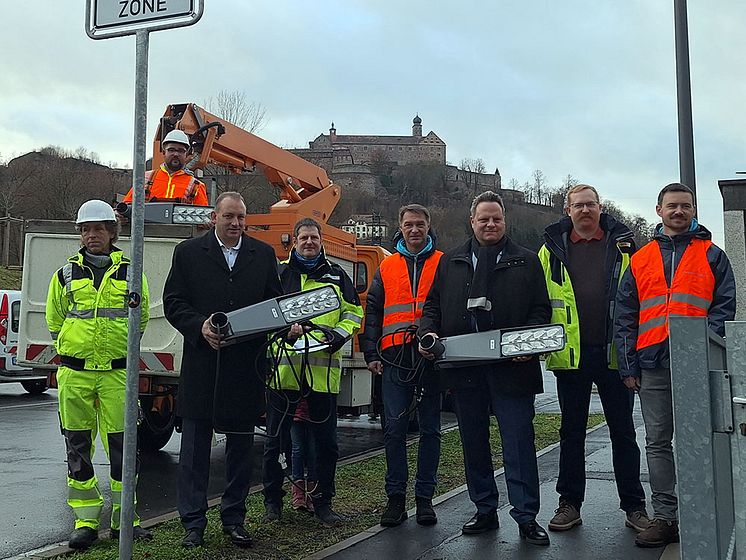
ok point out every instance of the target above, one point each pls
(491, 283)
(223, 270)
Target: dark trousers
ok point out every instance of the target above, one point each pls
(194, 475)
(515, 416)
(574, 391)
(397, 398)
(322, 412)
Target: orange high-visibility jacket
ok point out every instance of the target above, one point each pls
(690, 294)
(162, 185)
(401, 308)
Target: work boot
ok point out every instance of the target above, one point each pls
(660, 533)
(326, 515)
(82, 538)
(637, 520)
(272, 511)
(566, 516)
(299, 494)
(425, 512)
(138, 534)
(395, 512)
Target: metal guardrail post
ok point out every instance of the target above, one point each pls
(701, 433)
(735, 336)
(733, 192)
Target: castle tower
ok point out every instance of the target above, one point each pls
(417, 126)
(333, 133)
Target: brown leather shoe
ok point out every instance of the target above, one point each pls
(637, 520)
(660, 533)
(566, 516)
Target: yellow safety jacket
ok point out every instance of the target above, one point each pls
(90, 325)
(322, 370)
(565, 310)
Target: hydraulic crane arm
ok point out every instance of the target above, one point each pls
(217, 141)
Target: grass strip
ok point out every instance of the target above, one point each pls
(360, 497)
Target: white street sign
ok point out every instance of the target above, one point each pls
(114, 18)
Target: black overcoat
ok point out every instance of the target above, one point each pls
(198, 285)
(519, 297)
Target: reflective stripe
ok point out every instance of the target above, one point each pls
(651, 324)
(312, 360)
(87, 513)
(341, 332)
(83, 495)
(352, 317)
(67, 274)
(652, 302)
(391, 329)
(116, 497)
(113, 312)
(84, 314)
(691, 300)
(397, 308)
(557, 303)
(105, 312)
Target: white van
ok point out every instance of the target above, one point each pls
(10, 371)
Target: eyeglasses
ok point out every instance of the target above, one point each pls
(592, 205)
(176, 150)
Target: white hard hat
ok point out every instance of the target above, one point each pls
(95, 211)
(178, 136)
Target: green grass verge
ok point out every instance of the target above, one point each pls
(360, 496)
(10, 279)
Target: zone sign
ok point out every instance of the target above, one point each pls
(120, 13)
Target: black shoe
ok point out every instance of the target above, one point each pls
(395, 512)
(533, 533)
(82, 538)
(272, 511)
(138, 534)
(481, 523)
(193, 539)
(326, 515)
(239, 536)
(425, 512)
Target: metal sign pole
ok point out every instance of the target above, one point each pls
(129, 474)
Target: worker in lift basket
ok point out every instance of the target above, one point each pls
(172, 181)
(87, 316)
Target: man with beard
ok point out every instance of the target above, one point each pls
(680, 272)
(171, 181)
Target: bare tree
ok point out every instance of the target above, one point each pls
(236, 109)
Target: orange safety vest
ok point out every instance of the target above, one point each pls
(690, 294)
(401, 309)
(183, 186)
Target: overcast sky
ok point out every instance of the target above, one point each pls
(581, 87)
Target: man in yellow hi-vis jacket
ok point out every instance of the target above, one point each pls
(315, 376)
(87, 316)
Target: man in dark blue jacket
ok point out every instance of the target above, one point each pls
(491, 283)
(680, 272)
(392, 313)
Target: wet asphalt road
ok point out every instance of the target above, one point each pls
(33, 511)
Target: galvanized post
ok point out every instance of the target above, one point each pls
(129, 474)
(735, 336)
(698, 380)
(684, 97)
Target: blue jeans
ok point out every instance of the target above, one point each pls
(574, 392)
(515, 416)
(304, 450)
(322, 410)
(397, 398)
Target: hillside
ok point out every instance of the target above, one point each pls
(10, 279)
